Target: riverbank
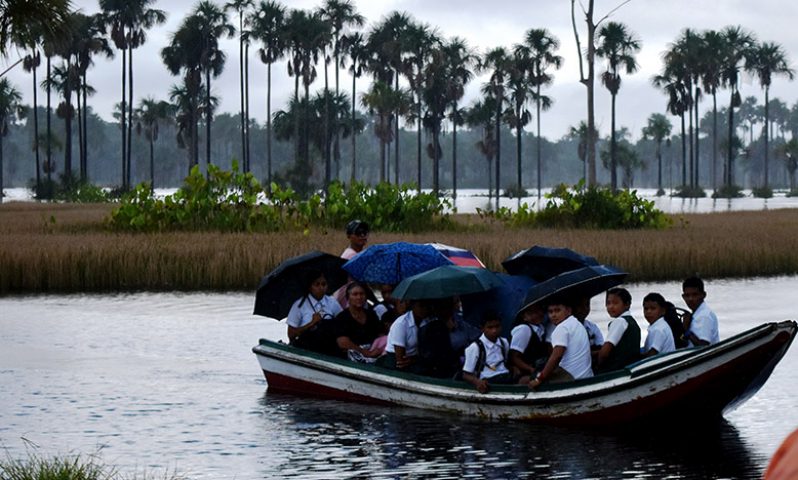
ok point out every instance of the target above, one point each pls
(66, 248)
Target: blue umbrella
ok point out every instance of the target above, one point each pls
(446, 281)
(393, 262)
(583, 282)
(542, 263)
(505, 300)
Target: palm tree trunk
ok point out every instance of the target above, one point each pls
(80, 134)
(684, 153)
(336, 145)
(418, 140)
(125, 176)
(697, 144)
(241, 86)
(36, 125)
(714, 141)
(152, 163)
(327, 159)
(540, 167)
(85, 128)
(692, 140)
(613, 158)
(659, 166)
(269, 125)
(498, 148)
(454, 152)
(396, 140)
(1, 167)
(353, 174)
(296, 117)
(436, 161)
(49, 133)
(68, 132)
(130, 116)
(248, 158)
(730, 160)
(518, 151)
(207, 121)
(767, 134)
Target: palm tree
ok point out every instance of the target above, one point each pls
(518, 92)
(658, 129)
(435, 77)
(497, 62)
(11, 109)
(212, 21)
(672, 82)
(581, 135)
(150, 114)
(185, 106)
(242, 7)
(340, 14)
(542, 46)
(618, 46)
(769, 59)
(481, 115)
(30, 63)
(25, 22)
(268, 22)
(738, 46)
(128, 21)
(711, 79)
(386, 104)
(790, 152)
(354, 46)
(461, 63)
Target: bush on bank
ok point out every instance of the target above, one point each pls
(586, 207)
(233, 201)
(77, 467)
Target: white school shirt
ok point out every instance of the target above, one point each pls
(704, 324)
(522, 334)
(571, 334)
(403, 333)
(494, 357)
(301, 315)
(594, 335)
(618, 326)
(659, 337)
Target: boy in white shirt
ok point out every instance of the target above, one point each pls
(570, 356)
(485, 358)
(700, 327)
(659, 338)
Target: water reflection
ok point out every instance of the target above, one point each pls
(331, 439)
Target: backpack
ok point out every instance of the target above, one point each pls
(482, 354)
(673, 317)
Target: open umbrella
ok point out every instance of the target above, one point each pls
(505, 300)
(458, 256)
(393, 262)
(285, 284)
(542, 263)
(583, 282)
(446, 281)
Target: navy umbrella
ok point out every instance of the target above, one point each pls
(393, 262)
(446, 281)
(285, 284)
(505, 300)
(542, 263)
(583, 282)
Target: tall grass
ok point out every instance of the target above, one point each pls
(66, 248)
(71, 467)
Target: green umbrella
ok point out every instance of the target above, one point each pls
(446, 281)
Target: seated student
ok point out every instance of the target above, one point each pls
(659, 338)
(570, 355)
(581, 311)
(387, 319)
(357, 326)
(388, 304)
(461, 333)
(402, 350)
(310, 316)
(436, 358)
(528, 349)
(485, 358)
(701, 327)
(622, 345)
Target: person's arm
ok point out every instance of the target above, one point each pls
(604, 352)
(517, 361)
(480, 383)
(295, 332)
(690, 336)
(402, 360)
(650, 353)
(554, 361)
(345, 343)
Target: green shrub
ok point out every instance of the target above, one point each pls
(515, 191)
(762, 192)
(69, 190)
(686, 191)
(728, 191)
(72, 467)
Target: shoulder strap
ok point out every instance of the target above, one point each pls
(504, 344)
(481, 354)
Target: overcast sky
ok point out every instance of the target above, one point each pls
(484, 24)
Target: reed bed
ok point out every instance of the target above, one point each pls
(66, 248)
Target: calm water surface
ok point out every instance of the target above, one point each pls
(167, 381)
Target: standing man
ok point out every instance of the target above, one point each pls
(357, 231)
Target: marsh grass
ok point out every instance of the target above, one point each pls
(65, 248)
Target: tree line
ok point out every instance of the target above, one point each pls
(417, 75)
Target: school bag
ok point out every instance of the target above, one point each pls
(673, 316)
(482, 355)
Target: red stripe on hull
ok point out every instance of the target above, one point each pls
(284, 384)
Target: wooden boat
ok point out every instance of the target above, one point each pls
(696, 383)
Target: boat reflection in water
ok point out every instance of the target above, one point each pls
(336, 439)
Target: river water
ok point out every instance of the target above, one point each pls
(167, 382)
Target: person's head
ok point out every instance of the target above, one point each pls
(581, 308)
(443, 308)
(654, 307)
(316, 284)
(559, 308)
(533, 314)
(356, 295)
(422, 309)
(491, 325)
(386, 290)
(693, 292)
(618, 301)
(357, 231)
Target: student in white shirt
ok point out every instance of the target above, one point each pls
(570, 356)
(581, 311)
(659, 338)
(528, 348)
(401, 351)
(701, 327)
(485, 358)
(310, 313)
(622, 344)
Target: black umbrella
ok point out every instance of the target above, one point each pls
(285, 284)
(583, 282)
(542, 263)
